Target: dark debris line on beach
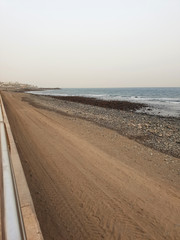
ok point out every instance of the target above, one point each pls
(119, 105)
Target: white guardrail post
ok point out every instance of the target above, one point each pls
(12, 221)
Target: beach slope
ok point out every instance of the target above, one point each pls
(88, 182)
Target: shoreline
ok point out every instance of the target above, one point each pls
(162, 102)
(123, 105)
(157, 132)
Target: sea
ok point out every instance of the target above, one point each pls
(160, 101)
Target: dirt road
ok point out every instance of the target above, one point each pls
(81, 191)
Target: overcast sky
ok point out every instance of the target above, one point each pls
(90, 43)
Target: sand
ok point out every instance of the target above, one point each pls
(88, 182)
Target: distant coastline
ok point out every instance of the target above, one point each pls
(21, 87)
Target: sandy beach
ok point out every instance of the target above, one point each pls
(92, 177)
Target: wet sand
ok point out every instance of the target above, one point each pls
(89, 182)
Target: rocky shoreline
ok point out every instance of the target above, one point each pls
(119, 105)
(160, 133)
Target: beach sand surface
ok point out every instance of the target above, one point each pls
(88, 182)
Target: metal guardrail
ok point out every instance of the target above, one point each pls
(12, 221)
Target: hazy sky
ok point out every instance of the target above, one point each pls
(90, 43)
